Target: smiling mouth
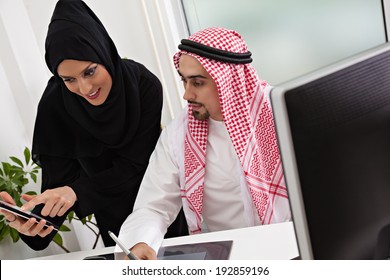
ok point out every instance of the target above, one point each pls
(93, 95)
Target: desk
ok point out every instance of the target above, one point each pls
(268, 242)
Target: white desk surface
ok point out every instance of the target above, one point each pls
(268, 242)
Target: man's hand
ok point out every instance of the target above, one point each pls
(143, 252)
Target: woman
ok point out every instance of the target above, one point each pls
(97, 123)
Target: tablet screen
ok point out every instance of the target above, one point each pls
(216, 250)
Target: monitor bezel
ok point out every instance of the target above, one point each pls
(386, 17)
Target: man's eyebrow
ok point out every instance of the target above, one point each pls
(192, 76)
(82, 71)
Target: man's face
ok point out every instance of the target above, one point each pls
(200, 89)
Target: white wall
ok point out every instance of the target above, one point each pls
(147, 31)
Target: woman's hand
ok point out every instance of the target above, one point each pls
(56, 201)
(27, 227)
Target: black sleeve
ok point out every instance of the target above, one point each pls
(56, 172)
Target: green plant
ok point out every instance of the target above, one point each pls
(14, 176)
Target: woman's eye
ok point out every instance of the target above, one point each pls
(90, 71)
(68, 80)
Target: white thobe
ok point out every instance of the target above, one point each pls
(226, 200)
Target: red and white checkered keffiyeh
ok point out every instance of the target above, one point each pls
(248, 118)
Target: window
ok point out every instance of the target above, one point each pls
(291, 38)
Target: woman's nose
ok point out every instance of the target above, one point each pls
(84, 87)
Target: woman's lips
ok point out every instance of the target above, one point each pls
(93, 95)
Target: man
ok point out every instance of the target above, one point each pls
(219, 159)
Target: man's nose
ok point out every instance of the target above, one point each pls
(188, 94)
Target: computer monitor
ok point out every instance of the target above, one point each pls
(333, 128)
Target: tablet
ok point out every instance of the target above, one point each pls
(214, 250)
(24, 214)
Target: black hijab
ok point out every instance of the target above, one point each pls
(67, 125)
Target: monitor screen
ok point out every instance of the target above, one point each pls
(333, 128)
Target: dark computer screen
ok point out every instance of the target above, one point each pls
(334, 134)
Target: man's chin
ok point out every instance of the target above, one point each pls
(200, 116)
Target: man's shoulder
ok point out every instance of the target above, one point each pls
(179, 121)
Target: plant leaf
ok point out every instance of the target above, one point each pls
(33, 177)
(64, 228)
(27, 155)
(17, 161)
(5, 231)
(6, 167)
(70, 216)
(58, 239)
(14, 234)
(31, 193)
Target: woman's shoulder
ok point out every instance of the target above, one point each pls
(150, 87)
(142, 70)
(52, 91)
(51, 99)
(134, 66)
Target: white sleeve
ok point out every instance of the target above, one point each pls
(158, 201)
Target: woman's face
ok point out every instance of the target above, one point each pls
(87, 79)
